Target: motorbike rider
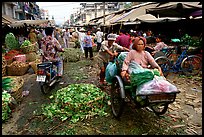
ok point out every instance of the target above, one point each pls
(50, 49)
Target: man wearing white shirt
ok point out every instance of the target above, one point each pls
(82, 34)
(99, 37)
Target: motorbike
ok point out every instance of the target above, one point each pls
(47, 75)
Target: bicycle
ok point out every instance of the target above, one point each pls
(189, 65)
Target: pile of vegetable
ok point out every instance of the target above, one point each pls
(77, 102)
(25, 44)
(188, 40)
(72, 54)
(6, 100)
(7, 83)
(11, 41)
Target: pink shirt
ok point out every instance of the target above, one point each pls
(123, 40)
(159, 46)
(143, 58)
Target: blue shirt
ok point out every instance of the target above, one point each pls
(88, 41)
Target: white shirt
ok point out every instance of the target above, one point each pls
(66, 34)
(99, 36)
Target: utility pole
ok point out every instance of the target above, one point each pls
(95, 10)
(104, 20)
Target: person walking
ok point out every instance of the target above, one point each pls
(88, 45)
(81, 35)
(66, 38)
(99, 38)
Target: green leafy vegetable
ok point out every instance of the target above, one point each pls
(77, 101)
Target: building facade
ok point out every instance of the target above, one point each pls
(92, 10)
(21, 10)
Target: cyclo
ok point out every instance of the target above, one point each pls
(121, 89)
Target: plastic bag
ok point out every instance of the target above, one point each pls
(157, 85)
(111, 71)
(121, 58)
(138, 74)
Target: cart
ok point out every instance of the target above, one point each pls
(120, 90)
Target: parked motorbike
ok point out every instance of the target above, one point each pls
(46, 76)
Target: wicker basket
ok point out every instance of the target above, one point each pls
(4, 63)
(17, 89)
(12, 70)
(30, 48)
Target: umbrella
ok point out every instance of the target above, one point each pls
(174, 9)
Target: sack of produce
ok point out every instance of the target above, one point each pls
(157, 85)
(139, 75)
(17, 68)
(111, 71)
(121, 58)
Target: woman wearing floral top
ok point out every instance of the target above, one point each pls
(51, 47)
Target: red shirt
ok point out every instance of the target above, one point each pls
(123, 40)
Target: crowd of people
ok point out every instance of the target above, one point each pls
(52, 40)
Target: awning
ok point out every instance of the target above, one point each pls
(134, 13)
(32, 23)
(174, 9)
(7, 19)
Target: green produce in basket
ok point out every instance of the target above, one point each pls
(25, 43)
(11, 41)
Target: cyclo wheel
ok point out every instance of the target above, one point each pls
(117, 97)
(191, 65)
(164, 63)
(160, 109)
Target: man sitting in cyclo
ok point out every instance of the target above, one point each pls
(159, 46)
(50, 48)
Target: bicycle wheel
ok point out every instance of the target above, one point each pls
(117, 99)
(191, 65)
(164, 63)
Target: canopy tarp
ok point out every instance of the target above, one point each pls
(174, 9)
(148, 18)
(31, 23)
(134, 13)
(110, 20)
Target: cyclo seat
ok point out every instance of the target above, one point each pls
(45, 64)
